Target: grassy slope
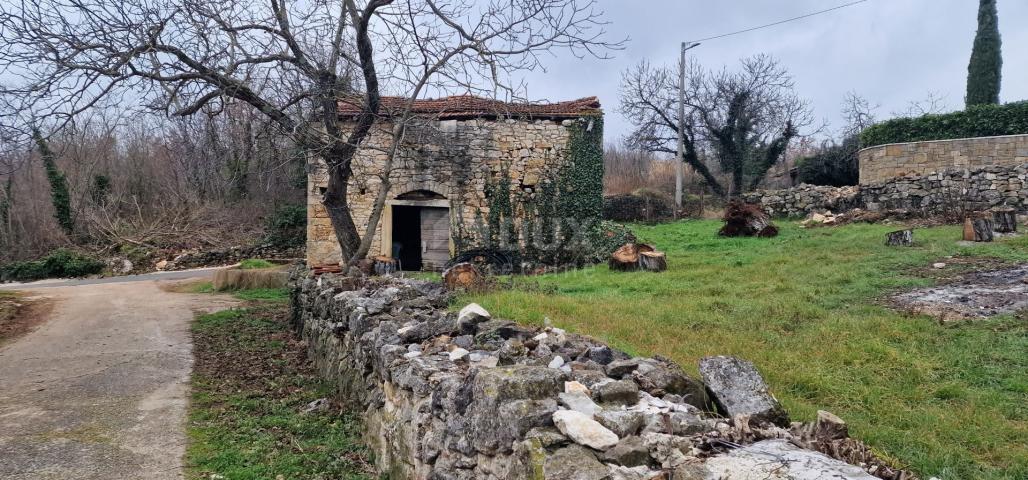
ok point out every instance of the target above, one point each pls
(250, 382)
(949, 401)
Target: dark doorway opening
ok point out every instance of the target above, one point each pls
(421, 237)
(407, 237)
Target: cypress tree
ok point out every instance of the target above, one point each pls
(58, 184)
(986, 66)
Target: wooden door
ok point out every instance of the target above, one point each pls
(435, 237)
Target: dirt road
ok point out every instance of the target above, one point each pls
(99, 391)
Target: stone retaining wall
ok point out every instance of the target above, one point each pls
(935, 193)
(881, 163)
(467, 396)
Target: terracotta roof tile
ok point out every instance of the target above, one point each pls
(469, 106)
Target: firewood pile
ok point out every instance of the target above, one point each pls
(746, 220)
(637, 256)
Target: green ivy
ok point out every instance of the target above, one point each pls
(58, 184)
(571, 193)
(976, 121)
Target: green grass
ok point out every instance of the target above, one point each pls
(250, 382)
(276, 295)
(948, 401)
(255, 264)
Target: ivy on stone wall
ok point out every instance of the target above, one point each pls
(558, 217)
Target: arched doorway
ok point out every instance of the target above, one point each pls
(418, 230)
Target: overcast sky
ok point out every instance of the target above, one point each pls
(890, 51)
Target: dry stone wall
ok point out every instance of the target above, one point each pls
(457, 159)
(935, 193)
(884, 162)
(467, 396)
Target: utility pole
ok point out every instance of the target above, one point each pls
(680, 163)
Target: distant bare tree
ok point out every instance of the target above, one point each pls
(858, 113)
(291, 62)
(933, 103)
(746, 118)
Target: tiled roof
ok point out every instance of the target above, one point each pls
(469, 106)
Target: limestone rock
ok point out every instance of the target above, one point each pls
(584, 430)
(473, 313)
(739, 389)
(781, 460)
(579, 402)
(621, 392)
(573, 463)
(621, 422)
(630, 452)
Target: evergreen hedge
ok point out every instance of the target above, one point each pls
(976, 121)
(60, 263)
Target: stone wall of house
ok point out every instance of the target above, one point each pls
(453, 158)
(881, 163)
(466, 396)
(934, 193)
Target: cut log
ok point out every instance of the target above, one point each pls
(1004, 220)
(900, 238)
(463, 275)
(653, 261)
(383, 265)
(625, 258)
(746, 220)
(968, 230)
(982, 227)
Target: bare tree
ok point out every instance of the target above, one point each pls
(933, 103)
(291, 62)
(744, 118)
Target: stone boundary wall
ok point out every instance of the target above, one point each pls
(450, 396)
(884, 162)
(935, 193)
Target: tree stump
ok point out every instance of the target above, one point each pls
(900, 238)
(383, 265)
(626, 257)
(982, 227)
(653, 261)
(968, 230)
(462, 275)
(1005, 220)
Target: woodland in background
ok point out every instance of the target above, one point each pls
(151, 185)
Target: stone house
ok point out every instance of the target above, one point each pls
(466, 164)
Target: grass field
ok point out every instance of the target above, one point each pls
(250, 382)
(944, 400)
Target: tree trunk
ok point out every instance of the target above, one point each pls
(982, 227)
(338, 208)
(900, 238)
(653, 261)
(1005, 220)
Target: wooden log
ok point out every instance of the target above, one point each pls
(968, 230)
(463, 275)
(900, 238)
(1004, 220)
(982, 227)
(653, 261)
(625, 258)
(383, 265)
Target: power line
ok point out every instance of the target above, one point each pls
(778, 23)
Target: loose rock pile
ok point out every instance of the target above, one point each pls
(468, 396)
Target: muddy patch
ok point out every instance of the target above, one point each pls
(973, 295)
